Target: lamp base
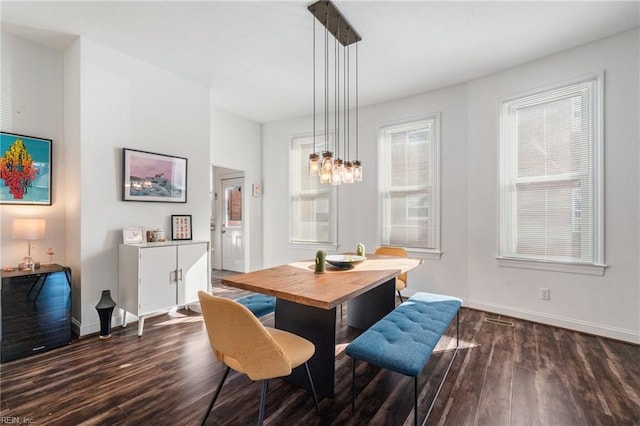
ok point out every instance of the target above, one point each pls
(27, 267)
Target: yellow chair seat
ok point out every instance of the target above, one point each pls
(296, 348)
(400, 284)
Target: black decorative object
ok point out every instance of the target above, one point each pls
(105, 310)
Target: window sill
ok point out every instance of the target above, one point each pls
(425, 254)
(303, 245)
(573, 268)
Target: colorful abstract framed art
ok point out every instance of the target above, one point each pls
(147, 176)
(25, 169)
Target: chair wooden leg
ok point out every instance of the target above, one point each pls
(313, 388)
(263, 401)
(215, 396)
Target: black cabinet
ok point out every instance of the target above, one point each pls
(36, 311)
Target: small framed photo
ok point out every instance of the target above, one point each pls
(133, 235)
(181, 227)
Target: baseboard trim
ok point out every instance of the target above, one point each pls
(86, 328)
(625, 335)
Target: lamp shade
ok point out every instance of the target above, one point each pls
(29, 229)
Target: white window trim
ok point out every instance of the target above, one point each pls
(430, 253)
(598, 266)
(302, 244)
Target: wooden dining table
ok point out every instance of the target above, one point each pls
(306, 304)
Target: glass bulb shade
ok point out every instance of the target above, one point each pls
(357, 171)
(29, 229)
(336, 178)
(327, 160)
(326, 171)
(314, 164)
(348, 173)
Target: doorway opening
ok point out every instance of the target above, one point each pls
(228, 220)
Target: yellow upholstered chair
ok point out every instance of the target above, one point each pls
(401, 280)
(240, 340)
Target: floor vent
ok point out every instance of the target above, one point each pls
(499, 321)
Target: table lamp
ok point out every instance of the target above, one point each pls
(30, 230)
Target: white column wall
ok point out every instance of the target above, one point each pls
(126, 102)
(32, 105)
(236, 144)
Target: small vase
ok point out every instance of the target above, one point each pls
(105, 310)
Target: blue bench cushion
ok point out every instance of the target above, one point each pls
(258, 304)
(403, 340)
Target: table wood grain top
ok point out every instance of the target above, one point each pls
(297, 282)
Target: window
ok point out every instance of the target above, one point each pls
(313, 205)
(550, 178)
(410, 184)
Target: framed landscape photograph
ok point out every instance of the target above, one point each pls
(25, 169)
(147, 176)
(181, 227)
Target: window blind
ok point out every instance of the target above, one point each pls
(313, 209)
(547, 178)
(409, 182)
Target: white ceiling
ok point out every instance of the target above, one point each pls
(256, 56)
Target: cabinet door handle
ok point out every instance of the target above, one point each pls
(180, 276)
(172, 277)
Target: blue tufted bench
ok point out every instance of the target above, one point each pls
(404, 339)
(259, 304)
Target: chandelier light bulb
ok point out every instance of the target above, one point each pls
(314, 164)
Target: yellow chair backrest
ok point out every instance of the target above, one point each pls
(240, 340)
(394, 251)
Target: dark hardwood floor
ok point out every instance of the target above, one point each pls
(520, 374)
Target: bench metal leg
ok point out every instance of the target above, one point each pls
(453, 357)
(415, 401)
(353, 388)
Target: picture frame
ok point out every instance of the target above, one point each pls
(181, 227)
(148, 176)
(133, 235)
(30, 183)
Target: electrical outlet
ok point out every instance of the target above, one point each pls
(545, 294)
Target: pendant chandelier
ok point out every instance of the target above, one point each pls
(340, 88)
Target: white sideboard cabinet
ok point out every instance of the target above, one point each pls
(155, 277)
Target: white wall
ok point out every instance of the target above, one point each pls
(32, 104)
(236, 144)
(608, 305)
(358, 203)
(125, 102)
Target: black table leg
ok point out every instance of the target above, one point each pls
(366, 309)
(318, 326)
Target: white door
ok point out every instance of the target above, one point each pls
(233, 225)
(157, 279)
